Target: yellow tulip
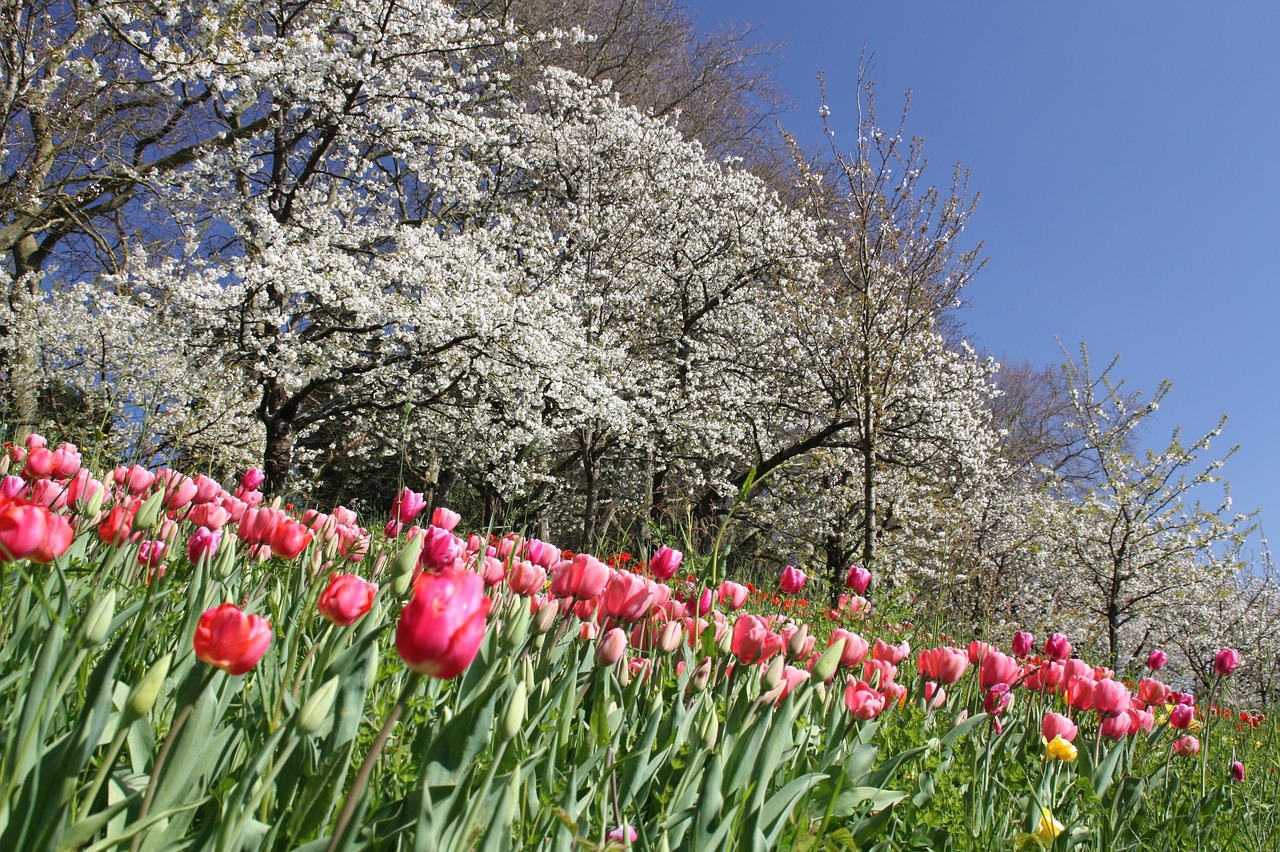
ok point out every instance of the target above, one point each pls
(1060, 749)
(1048, 827)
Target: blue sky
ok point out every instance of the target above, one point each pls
(1128, 158)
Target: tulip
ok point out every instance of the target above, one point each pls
(526, 578)
(1225, 661)
(1188, 746)
(207, 490)
(665, 563)
(1182, 716)
(997, 699)
(1152, 691)
(230, 639)
(798, 642)
(944, 665)
(997, 668)
(857, 579)
(1022, 643)
(1080, 693)
(1057, 647)
(23, 528)
(289, 539)
(611, 648)
(541, 554)
(978, 650)
(1110, 698)
(1156, 660)
(1057, 726)
(1059, 748)
(346, 598)
(855, 647)
(1237, 771)
(878, 672)
(792, 580)
(863, 702)
(1115, 727)
(203, 544)
(1140, 720)
(252, 479)
(1048, 827)
(895, 654)
(443, 623)
(731, 594)
(445, 519)
(753, 641)
(40, 463)
(12, 486)
(407, 505)
(623, 834)
(626, 597)
(584, 577)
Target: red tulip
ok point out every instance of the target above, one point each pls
(346, 598)
(231, 640)
(443, 623)
(289, 539)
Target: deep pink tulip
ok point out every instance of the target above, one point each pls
(442, 625)
(66, 462)
(541, 554)
(440, 548)
(857, 578)
(1022, 641)
(1110, 698)
(855, 647)
(864, 702)
(1057, 725)
(1181, 716)
(203, 544)
(11, 486)
(230, 639)
(1057, 647)
(23, 529)
(665, 563)
(1156, 660)
(1225, 661)
(83, 488)
(40, 464)
(407, 505)
(1237, 771)
(944, 665)
(346, 599)
(252, 479)
(997, 699)
(998, 668)
(753, 641)
(792, 580)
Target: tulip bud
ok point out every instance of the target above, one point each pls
(513, 716)
(97, 622)
(526, 670)
(224, 563)
(796, 642)
(701, 675)
(318, 707)
(545, 618)
(670, 638)
(93, 505)
(709, 731)
(516, 627)
(407, 561)
(825, 668)
(148, 513)
(611, 647)
(145, 692)
(773, 674)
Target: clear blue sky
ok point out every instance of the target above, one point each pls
(1128, 158)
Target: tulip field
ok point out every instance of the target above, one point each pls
(191, 667)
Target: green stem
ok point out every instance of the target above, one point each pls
(100, 776)
(366, 769)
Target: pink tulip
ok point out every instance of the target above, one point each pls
(1152, 691)
(997, 668)
(252, 479)
(48, 493)
(1181, 716)
(40, 464)
(1057, 647)
(584, 577)
(753, 641)
(1115, 727)
(611, 648)
(445, 519)
(526, 578)
(626, 597)
(895, 654)
(66, 462)
(855, 647)
(792, 580)
(997, 699)
(978, 650)
(864, 702)
(1080, 693)
(944, 665)
(731, 594)
(289, 539)
(23, 529)
(879, 672)
(541, 554)
(1022, 643)
(1188, 746)
(12, 486)
(1237, 771)
(211, 516)
(665, 563)
(407, 505)
(1057, 725)
(442, 625)
(135, 480)
(492, 571)
(1156, 660)
(857, 578)
(1225, 661)
(203, 544)
(439, 549)
(1110, 698)
(207, 491)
